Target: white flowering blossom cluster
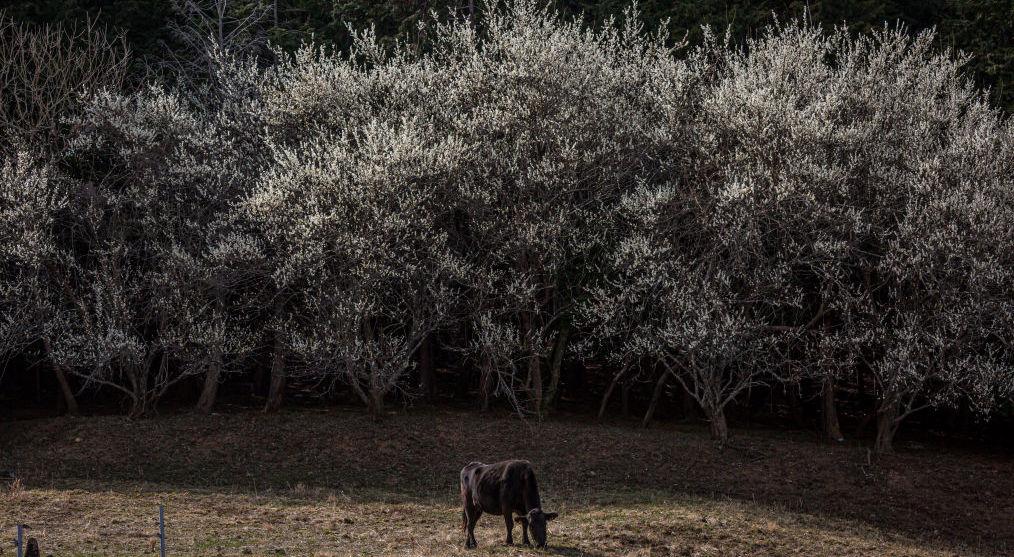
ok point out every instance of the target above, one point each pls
(811, 203)
(30, 199)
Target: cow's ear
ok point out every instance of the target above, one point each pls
(551, 516)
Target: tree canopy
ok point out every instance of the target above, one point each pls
(984, 29)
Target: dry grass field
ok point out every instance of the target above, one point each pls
(334, 483)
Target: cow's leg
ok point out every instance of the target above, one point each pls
(472, 514)
(508, 518)
(524, 530)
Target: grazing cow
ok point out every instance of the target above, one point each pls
(505, 488)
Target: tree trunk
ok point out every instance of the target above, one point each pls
(867, 418)
(424, 8)
(69, 401)
(427, 369)
(625, 397)
(832, 430)
(486, 383)
(887, 416)
(556, 363)
(138, 405)
(609, 391)
(376, 404)
(534, 379)
(61, 378)
(718, 427)
(136, 409)
(140, 400)
(210, 391)
(655, 395)
(276, 390)
(535, 376)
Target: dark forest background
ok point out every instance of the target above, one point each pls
(984, 29)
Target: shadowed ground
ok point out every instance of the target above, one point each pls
(335, 483)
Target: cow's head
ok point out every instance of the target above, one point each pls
(537, 525)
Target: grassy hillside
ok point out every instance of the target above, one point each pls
(335, 483)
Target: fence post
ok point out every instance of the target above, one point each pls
(161, 531)
(20, 541)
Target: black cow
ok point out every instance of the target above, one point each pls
(505, 488)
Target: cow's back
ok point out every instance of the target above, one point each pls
(470, 470)
(506, 485)
(469, 478)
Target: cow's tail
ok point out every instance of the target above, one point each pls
(464, 505)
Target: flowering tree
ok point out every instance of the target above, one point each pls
(770, 113)
(946, 264)
(918, 289)
(355, 217)
(684, 293)
(45, 74)
(209, 261)
(557, 119)
(691, 279)
(863, 143)
(151, 281)
(30, 200)
(828, 175)
(111, 282)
